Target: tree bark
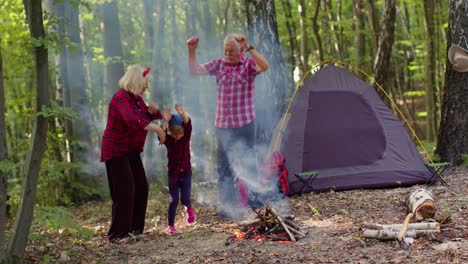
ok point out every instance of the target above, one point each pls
(360, 37)
(3, 157)
(77, 90)
(384, 51)
(305, 51)
(374, 26)
(452, 141)
(271, 88)
(430, 70)
(112, 48)
(24, 216)
(294, 56)
(316, 32)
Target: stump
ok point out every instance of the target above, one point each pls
(421, 204)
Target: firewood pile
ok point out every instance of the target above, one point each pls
(268, 225)
(421, 206)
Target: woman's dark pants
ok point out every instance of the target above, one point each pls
(129, 191)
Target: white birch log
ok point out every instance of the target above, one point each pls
(421, 204)
(396, 227)
(390, 234)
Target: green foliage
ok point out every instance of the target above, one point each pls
(54, 110)
(7, 166)
(465, 159)
(414, 93)
(430, 147)
(58, 219)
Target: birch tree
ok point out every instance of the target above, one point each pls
(24, 215)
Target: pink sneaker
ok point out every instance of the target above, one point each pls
(191, 217)
(171, 230)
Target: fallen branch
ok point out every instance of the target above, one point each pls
(404, 227)
(396, 227)
(390, 234)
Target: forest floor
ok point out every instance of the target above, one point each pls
(331, 220)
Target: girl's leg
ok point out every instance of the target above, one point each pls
(185, 189)
(141, 194)
(173, 202)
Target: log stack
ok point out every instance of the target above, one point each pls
(268, 225)
(421, 206)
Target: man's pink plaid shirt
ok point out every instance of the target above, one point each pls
(235, 105)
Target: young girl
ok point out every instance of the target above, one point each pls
(179, 168)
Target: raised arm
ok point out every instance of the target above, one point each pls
(194, 66)
(262, 63)
(182, 113)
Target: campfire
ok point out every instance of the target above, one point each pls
(268, 225)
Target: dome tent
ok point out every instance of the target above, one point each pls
(337, 124)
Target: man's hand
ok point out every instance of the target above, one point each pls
(192, 42)
(242, 40)
(153, 108)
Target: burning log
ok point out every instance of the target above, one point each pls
(268, 225)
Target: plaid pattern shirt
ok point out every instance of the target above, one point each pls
(178, 153)
(124, 133)
(235, 106)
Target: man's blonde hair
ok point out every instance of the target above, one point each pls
(134, 81)
(231, 39)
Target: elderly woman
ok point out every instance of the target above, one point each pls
(129, 120)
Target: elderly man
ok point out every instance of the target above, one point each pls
(235, 113)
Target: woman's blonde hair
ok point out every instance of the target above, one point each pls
(134, 81)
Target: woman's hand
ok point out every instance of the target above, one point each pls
(153, 108)
(161, 135)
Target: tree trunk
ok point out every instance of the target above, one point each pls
(24, 216)
(374, 26)
(3, 157)
(360, 37)
(150, 145)
(294, 56)
(112, 48)
(452, 141)
(430, 71)
(77, 90)
(305, 52)
(316, 33)
(271, 88)
(384, 51)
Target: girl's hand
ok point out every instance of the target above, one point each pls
(179, 109)
(153, 108)
(167, 114)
